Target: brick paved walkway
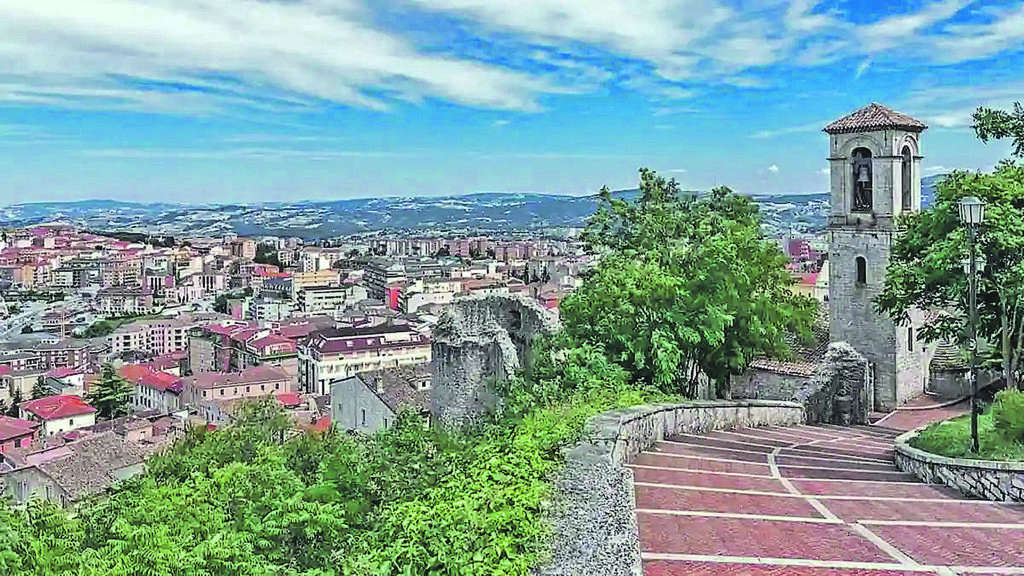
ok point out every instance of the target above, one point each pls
(810, 501)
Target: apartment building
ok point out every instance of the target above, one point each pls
(338, 353)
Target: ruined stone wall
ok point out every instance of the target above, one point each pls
(481, 340)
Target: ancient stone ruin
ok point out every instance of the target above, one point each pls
(839, 392)
(481, 340)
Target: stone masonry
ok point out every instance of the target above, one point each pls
(860, 242)
(481, 340)
(985, 479)
(593, 510)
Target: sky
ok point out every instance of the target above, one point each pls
(199, 101)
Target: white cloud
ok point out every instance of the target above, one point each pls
(773, 169)
(499, 123)
(239, 154)
(862, 68)
(223, 56)
(895, 31)
(677, 171)
(825, 171)
(798, 129)
(300, 52)
(933, 170)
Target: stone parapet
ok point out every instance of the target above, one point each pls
(593, 507)
(986, 479)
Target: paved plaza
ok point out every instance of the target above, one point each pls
(814, 501)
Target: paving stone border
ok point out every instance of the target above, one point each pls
(985, 479)
(593, 506)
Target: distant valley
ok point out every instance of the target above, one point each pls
(472, 213)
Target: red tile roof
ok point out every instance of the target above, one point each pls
(11, 428)
(143, 375)
(57, 407)
(255, 375)
(874, 117)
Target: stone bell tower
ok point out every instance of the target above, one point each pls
(875, 171)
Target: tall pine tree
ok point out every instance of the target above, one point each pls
(112, 395)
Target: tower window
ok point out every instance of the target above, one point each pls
(910, 338)
(363, 417)
(862, 188)
(908, 176)
(862, 270)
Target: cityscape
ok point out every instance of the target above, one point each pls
(307, 288)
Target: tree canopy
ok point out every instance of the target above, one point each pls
(925, 268)
(689, 287)
(112, 395)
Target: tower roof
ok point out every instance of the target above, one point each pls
(874, 117)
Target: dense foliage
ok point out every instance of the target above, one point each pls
(691, 287)
(1000, 432)
(112, 394)
(925, 269)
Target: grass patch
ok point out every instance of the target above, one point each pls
(998, 435)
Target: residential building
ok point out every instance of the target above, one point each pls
(338, 353)
(153, 336)
(122, 301)
(372, 401)
(244, 248)
(327, 299)
(17, 433)
(268, 308)
(303, 280)
(379, 274)
(67, 473)
(152, 389)
(59, 414)
(255, 382)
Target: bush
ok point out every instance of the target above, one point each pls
(1008, 415)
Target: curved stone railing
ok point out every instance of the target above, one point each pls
(593, 510)
(986, 479)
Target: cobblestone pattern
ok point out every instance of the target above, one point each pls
(985, 479)
(477, 341)
(593, 508)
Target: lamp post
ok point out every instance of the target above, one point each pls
(972, 213)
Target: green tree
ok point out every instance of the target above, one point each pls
(99, 329)
(690, 287)
(998, 124)
(925, 269)
(40, 389)
(267, 254)
(16, 398)
(112, 394)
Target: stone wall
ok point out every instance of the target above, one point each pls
(835, 393)
(760, 384)
(985, 479)
(593, 507)
(478, 341)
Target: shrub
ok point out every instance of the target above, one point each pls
(1008, 414)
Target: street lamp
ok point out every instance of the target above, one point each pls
(972, 213)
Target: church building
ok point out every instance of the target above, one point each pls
(875, 167)
(875, 160)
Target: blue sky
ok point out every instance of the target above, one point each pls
(236, 100)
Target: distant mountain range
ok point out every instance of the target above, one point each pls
(471, 213)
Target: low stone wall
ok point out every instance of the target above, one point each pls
(985, 479)
(593, 510)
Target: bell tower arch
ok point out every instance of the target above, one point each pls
(875, 177)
